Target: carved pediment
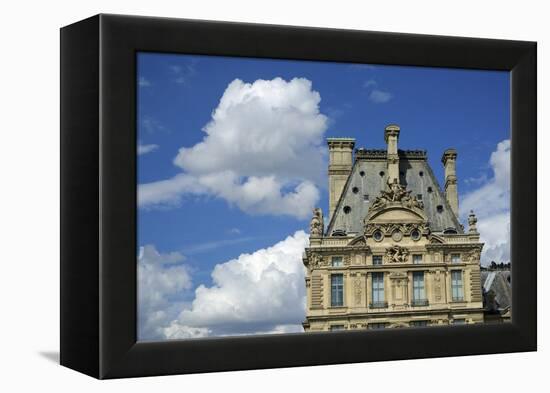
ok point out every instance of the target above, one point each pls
(358, 241)
(435, 239)
(396, 212)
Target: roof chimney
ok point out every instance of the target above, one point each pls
(391, 136)
(339, 168)
(451, 191)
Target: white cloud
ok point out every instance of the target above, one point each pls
(175, 331)
(262, 292)
(369, 83)
(144, 149)
(151, 125)
(183, 72)
(160, 276)
(379, 96)
(142, 82)
(491, 204)
(263, 151)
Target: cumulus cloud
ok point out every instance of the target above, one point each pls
(144, 149)
(491, 203)
(261, 292)
(160, 276)
(262, 151)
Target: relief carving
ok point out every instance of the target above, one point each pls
(396, 254)
(395, 192)
(316, 260)
(437, 286)
(357, 289)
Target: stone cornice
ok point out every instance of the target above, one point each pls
(393, 313)
(342, 249)
(381, 154)
(454, 246)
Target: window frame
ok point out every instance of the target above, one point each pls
(332, 258)
(459, 287)
(338, 287)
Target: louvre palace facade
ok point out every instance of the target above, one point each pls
(393, 252)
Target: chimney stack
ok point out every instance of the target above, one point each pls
(391, 136)
(451, 191)
(339, 168)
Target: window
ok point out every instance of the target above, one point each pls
(381, 173)
(334, 328)
(355, 190)
(336, 261)
(378, 325)
(459, 321)
(421, 173)
(378, 236)
(439, 208)
(456, 285)
(378, 290)
(362, 173)
(417, 258)
(366, 197)
(430, 189)
(377, 259)
(415, 234)
(337, 290)
(347, 209)
(418, 323)
(419, 197)
(419, 294)
(455, 258)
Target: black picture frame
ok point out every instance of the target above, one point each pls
(98, 195)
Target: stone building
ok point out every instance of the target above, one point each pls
(393, 253)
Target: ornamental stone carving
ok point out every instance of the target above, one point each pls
(316, 225)
(474, 255)
(357, 289)
(472, 221)
(316, 260)
(388, 229)
(396, 193)
(396, 254)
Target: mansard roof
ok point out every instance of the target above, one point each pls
(368, 178)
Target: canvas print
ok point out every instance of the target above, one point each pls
(280, 196)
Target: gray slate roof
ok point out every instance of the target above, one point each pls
(369, 177)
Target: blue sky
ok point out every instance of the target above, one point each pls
(194, 223)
